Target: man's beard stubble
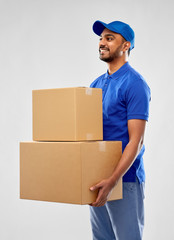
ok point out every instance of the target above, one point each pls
(111, 57)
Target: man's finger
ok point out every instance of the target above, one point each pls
(99, 199)
(93, 188)
(99, 204)
(102, 203)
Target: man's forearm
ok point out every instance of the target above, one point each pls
(129, 155)
(136, 130)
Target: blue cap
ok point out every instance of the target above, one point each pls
(118, 27)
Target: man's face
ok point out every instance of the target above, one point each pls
(110, 45)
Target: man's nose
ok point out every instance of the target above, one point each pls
(101, 46)
(102, 42)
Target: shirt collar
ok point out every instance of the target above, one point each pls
(119, 72)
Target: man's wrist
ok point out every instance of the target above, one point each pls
(113, 181)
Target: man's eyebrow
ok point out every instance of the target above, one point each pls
(108, 35)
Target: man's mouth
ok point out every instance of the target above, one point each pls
(103, 50)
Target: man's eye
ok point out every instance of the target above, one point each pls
(109, 39)
(100, 39)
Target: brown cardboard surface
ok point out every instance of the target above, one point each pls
(64, 171)
(67, 114)
(100, 158)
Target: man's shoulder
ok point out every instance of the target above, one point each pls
(136, 85)
(134, 77)
(134, 74)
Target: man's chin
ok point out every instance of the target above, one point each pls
(105, 59)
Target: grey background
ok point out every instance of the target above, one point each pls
(50, 44)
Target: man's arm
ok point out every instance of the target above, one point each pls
(136, 129)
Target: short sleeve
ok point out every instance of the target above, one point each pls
(138, 98)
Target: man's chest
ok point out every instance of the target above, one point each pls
(114, 98)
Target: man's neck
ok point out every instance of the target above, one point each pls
(114, 66)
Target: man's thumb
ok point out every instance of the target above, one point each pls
(93, 188)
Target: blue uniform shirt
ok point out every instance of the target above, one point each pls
(126, 96)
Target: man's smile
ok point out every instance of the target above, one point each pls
(103, 50)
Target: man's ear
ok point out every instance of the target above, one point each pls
(126, 46)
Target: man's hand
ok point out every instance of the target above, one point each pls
(104, 190)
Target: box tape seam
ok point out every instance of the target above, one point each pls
(102, 146)
(89, 136)
(88, 91)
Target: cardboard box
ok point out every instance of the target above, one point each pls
(64, 171)
(67, 114)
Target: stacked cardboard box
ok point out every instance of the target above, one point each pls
(68, 155)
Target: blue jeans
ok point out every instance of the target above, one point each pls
(120, 219)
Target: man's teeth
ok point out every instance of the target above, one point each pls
(103, 50)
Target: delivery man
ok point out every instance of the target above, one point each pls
(126, 97)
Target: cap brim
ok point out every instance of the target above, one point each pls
(98, 27)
